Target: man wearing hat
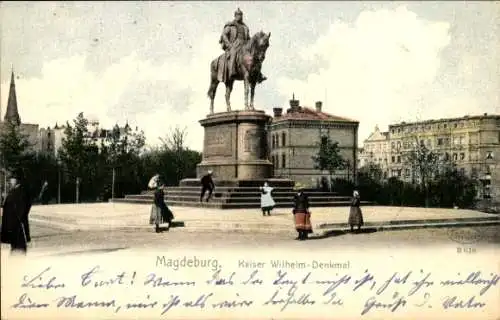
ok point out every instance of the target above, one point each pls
(207, 184)
(16, 207)
(234, 35)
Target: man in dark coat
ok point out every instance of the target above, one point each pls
(207, 184)
(16, 207)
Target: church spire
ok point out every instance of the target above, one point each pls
(12, 113)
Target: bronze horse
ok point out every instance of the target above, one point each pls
(249, 59)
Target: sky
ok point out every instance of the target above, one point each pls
(148, 62)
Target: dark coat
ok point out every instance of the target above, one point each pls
(207, 182)
(159, 199)
(300, 202)
(15, 225)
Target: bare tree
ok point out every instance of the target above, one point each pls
(175, 140)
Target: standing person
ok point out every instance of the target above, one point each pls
(266, 199)
(207, 184)
(355, 214)
(302, 214)
(43, 197)
(160, 212)
(16, 207)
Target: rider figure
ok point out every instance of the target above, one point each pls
(234, 36)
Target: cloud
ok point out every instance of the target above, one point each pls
(153, 97)
(376, 70)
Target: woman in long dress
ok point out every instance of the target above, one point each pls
(355, 214)
(160, 213)
(302, 215)
(266, 199)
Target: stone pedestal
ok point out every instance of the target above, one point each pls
(235, 146)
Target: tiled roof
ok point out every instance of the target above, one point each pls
(305, 113)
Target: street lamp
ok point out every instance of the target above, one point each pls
(58, 180)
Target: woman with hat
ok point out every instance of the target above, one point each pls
(355, 214)
(160, 213)
(16, 207)
(301, 213)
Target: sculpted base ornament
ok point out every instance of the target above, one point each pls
(242, 61)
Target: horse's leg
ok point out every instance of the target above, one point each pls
(229, 88)
(247, 84)
(252, 94)
(211, 93)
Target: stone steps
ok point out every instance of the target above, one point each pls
(236, 195)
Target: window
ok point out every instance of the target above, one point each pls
(393, 159)
(454, 125)
(445, 126)
(462, 156)
(393, 145)
(421, 143)
(283, 161)
(398, 145)
(455, 156)
(489, 155)
(283, 139)
(446, 156)
(399, 130)
(440, 142)
(407, 172)
(399, 159)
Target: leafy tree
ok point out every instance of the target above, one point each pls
(328, 157)
(78, 153)
(122, 151)
(14, 146)
(424, 165)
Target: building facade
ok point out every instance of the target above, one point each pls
(472, 143)
(376, 150)
(294, 139)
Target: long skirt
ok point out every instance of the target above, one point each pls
(355, 217)
(302, 221)
(160, 218)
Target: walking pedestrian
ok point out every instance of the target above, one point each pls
(44, 196)
(355, 214)
(302, 215)
(266, 199)
(160, 212)
(207, 184)
(15, 226)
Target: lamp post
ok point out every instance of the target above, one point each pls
(58, 181)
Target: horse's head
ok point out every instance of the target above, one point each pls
(259, 45)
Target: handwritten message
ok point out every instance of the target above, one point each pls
(276, 286)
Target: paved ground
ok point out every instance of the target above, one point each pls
(119, 215)
(53, 240)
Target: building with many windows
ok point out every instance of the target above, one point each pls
(295, 136)
(472, 143)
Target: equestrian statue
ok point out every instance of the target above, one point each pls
(242, 61)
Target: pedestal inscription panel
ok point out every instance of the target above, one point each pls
(218, 142)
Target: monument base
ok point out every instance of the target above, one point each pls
(235, 146)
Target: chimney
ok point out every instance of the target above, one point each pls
(319, 104)
(277, 112)
(294, 104)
